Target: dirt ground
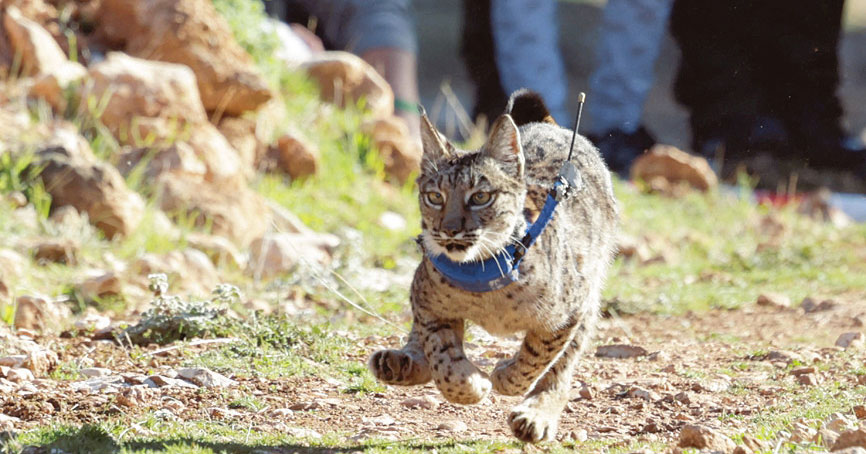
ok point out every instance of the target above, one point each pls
(719, 368)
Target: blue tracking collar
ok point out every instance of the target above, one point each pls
(504, 268)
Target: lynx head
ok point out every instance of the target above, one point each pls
(471, 201)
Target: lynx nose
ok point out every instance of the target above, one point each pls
(452, 227)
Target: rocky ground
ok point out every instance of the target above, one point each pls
(766, 375)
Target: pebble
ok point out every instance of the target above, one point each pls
(850, 340)
(620, 351)
(426, 402)
(453, 425)
(205, 377)
(776, 300)
(92, 372)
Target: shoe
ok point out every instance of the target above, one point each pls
(845, 153)
(619, 149)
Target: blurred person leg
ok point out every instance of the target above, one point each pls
(381, 32)
(799, 74)
(476, 50)
(631, 37)
(717, 80)
(526, 46)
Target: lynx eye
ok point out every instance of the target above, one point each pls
(480, 198)
(434, 198)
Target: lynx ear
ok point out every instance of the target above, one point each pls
(434, 148)
(504, 143)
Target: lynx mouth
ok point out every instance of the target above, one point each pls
(454, 246)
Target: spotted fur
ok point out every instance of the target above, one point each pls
(555, 302)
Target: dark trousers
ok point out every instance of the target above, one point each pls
(752, 63)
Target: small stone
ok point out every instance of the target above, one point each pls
(825, 437)
(641, 393)
(742, 450)
(809, 305)
(92, 322)
(57, 250)
(100, 284)
(802, 371)
(426, 402)
(579, 435)
(807, 379)
(135, 396)
(296, 156)
(95, 372)
(700, 437)
(20, 375)
(620, 351)
(860, 411)
(381, 420)
(586, 392)
(671, 166)
(658, 356)
(802, 433)
(160, 381)
(205, 377)
(837, 422)
(850, 340)
(223, 413)
(776, 300)
(683, 398)
(281, 412)
(453, 425)
(850, 438)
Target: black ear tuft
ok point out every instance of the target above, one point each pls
(526, 106)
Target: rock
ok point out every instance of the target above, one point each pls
(100, 284)
(825, 437)
(425, 402)
(223, 413)
(162, 381)
(860, 411)
(700, 437)
(807, 379)
(134, 88)
(850, 438)
(56, 250)
(91, 187)
(674, 165)
(296, 156)
(223, 164)
(620, 351)
(194, 34)
(809, 305)
(277, 253)
(850, 340)
(398, 150)
(344, 79)
(453, 425)
(239, 214)
(205, 377)
(579, 435)
(135, 397)
(776, 300)
(586, 392)
(636, 392)
(40, 361)
(39, 52)
(52, 84)
(194, 270)
(802, 433)
(837, 422)
(93, 322)
(381, 420)
(220, 250)
(93, 372)
(40, 313)
(241, 135)
(64, 139)
(20, 375)
(178, 160)
(851, 450)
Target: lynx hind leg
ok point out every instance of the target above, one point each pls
(536, 419)
(514, 376)
(404, 367)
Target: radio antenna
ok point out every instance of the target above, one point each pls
(581, 98)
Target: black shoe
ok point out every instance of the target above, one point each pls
(846, 153)
(619, 149)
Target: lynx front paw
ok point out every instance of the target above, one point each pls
(533, 425)
(464, 385)
(506, 381)
(396, 367)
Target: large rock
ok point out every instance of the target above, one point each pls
(192, 33)
(296, 156)
(344, 79)
(240, 132)
(704, 438)
(53, 83)
(39, 313)
(234, 212)
(178, 161)
(95, 188)
(674, 166)
(278, 253)
(399, 151)
(850, 438)
(39, 52)
(140, 88)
